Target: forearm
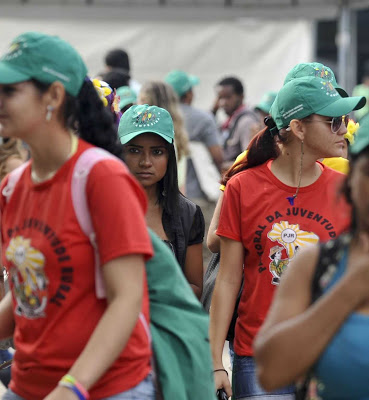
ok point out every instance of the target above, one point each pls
(281, 351)
(6, 317)
(113, 330)
(222, 306)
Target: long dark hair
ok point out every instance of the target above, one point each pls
(262, 148)
(168, 191)
(87, 115)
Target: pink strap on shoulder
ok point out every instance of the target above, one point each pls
(81, 171)
(13, 179)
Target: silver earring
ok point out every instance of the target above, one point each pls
(49, 113)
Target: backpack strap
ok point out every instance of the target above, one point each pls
(81, 171)
(13, 179)
(82, 168)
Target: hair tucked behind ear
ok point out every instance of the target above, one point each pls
(87, 115)
(262, 148)
(94, 122)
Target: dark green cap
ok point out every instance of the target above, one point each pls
(315, 69)
(362, 137)
(35, 55)
(181, 82)
(266, 102)
(308, 95)
(144, 118)
(126, 96)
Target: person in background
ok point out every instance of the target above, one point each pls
(127, 98)
(263, 229)
(12, 155)
(206, 154)
(53, 312)
(324, 295)
(263, 107)
(147, 135)
(115, 78)
(242, 122)
(161, 94)
(118, 60)
(362, 89)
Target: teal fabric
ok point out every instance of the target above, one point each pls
(179, 329)
(343, 369)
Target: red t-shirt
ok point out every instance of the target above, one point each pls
(51, 266)
(257, 213)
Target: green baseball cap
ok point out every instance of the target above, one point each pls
(308, 95)
(126, 96)
(35, 55)
(315, 69)
(266, 102)
(362, 137)
(181, 82)
(143, 119)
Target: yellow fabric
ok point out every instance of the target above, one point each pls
(339, 164)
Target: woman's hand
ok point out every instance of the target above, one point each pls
(222, 381)
(61, 393)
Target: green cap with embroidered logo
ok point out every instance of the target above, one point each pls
(45, 58)
(143, 119)
(308, 95)
(266, 102)
(362, 137)
(181, 82)
(315, 69)
(126, 96)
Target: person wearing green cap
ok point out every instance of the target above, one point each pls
(147, 135)
(127, 98)
(279, 196)
(59, 319)
(319, 323)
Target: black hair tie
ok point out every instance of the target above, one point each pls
(271, 125)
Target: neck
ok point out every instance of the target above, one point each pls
(152, 195)
(287, 166)
(50, 151)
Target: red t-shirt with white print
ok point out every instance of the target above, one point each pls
(257, 213)
(51, 267)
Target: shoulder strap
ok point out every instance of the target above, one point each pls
(237, 120)
(13, 179)
(81, 171)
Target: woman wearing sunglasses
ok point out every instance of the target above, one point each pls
(325, 296)
(283, 200)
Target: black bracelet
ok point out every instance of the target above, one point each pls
(221, 369)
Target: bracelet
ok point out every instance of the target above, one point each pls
(221, 369)
(71, 383)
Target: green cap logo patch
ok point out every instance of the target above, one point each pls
(146, 119)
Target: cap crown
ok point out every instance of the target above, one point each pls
(44, 58)
(144, 118)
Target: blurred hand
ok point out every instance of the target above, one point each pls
(222, 382)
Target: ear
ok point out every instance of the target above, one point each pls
(297, 128)
(55, 95)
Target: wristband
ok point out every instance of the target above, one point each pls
(71, 383)
(221, 369)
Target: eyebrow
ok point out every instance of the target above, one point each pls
(151, 147)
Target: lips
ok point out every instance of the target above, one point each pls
(144, 174)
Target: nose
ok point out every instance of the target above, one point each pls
(145, 161)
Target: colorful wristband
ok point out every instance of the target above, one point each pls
(71, 383)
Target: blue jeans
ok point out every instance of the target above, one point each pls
(143, 391)
(246, 385)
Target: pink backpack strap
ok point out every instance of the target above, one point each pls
(13, 179)
(83, 166)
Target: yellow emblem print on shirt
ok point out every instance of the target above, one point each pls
(291, 238)
(28, 277)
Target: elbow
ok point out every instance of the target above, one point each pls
(268, 376)
(213, 242)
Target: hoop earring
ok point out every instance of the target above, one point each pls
(291, 199)
(49, 112)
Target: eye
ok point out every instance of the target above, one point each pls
(158, 152)
(8, 90)
(133, 150)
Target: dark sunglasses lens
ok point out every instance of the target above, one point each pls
(336, 124)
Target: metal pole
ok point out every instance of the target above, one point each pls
(344, 41)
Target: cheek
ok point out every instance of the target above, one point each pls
(161, 167)
(130, 161)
